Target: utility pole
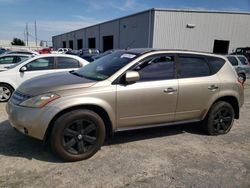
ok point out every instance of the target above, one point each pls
(35, 33)
(27, 34)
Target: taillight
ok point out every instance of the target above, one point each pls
(241, 81)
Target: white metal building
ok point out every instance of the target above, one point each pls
(209, 31)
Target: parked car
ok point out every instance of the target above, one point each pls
(24, 52)
(88, 57)
(87, 51)
(73, 52)
(44, 51)
(3, 50)
(36, 66)
(241, 65)
(243, 51)
(125, 90)
(61, 51)
(11, 59)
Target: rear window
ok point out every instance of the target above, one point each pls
(193, 67)
(243, 60)
(233, 60)
(215, 64)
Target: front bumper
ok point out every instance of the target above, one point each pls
(30, 121)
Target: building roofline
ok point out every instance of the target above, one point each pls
(157, 9)
(201, 11)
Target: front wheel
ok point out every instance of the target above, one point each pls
(219, 119)
(77, 135)
(5, 92)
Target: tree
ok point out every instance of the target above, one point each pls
(17, 41)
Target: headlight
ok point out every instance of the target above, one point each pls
(40, 100)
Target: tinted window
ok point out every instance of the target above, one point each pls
(106, 66)
(6, 60)
(193, 67)
(243, 60)
(232, 60)
(66, 63)
(215, 64)
(45, 63)
(157, 68)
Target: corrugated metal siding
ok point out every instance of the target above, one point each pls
(131, 31)
(170, 30)
(134, 31)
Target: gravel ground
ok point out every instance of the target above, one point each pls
(174, 156)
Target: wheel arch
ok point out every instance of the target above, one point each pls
(8, 85)
(233, 101)
(95, 108)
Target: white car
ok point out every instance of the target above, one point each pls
(36, 66)
(7, 60)
(27, 52)
(61, 51)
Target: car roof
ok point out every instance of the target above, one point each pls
(26, 55)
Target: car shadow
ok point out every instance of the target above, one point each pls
(15, 144)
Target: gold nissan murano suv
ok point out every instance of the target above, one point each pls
(127, 89)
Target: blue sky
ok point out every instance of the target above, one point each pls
(58, 16)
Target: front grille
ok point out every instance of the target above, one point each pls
(18, 97)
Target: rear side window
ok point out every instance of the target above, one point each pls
(7, 60)
(215, 64)
(67, 63)
(157, 68)
(190, 67)
(243, 60)
(232, 60)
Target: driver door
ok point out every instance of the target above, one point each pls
(151, 100)
(37, 67)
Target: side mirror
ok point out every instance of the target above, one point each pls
(23, 69)
(132, 77)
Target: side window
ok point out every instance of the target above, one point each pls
(243, 60)
(23, 58)
(6, 60)
(190, 67)
(45, 63)
(157, 68)
(233, 60)
(215, 63)
(67, 63)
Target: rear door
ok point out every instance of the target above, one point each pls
(66, 64)
(197, 87)
(153, 98)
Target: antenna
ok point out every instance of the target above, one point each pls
(130, 44)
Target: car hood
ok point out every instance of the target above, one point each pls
(54, 82)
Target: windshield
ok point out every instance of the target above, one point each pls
(106, 66)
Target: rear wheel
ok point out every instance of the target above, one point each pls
(5, 92)
(219, 119)
(242, 77)
(77, 135)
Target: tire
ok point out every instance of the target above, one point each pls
(219, 119)
(5, 92)
(242, 77)
(77, 135)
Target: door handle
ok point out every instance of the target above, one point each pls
(170, 90)
(213, 87)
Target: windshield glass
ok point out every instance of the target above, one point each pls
(106, 66)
